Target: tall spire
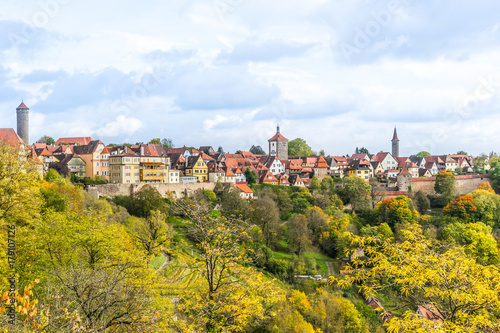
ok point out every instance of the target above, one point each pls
(395, 144)
(395, 136)
(278, 128)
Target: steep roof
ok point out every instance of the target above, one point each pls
(278, 137)
(88, 148)
(22, 106)
(395, 136)
(10, 137)
(243, 188)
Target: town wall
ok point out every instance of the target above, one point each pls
(464, 184)
(177, 190)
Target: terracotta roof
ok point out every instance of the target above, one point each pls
(22, 106)
(83, 140)
(278, 136)
(206, 157)
(404, 172)
(243, 188)
(358, 156)
(10, 137)
(229, 173)
(429, 312)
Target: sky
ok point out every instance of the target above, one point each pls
(338, 74)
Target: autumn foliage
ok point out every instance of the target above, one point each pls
(462, 208)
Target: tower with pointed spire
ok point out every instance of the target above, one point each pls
(278, 145)
(395, 144)
(23, 122)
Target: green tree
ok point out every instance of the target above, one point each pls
(445, 184)
(461, 152)
(298, 234)
(155, 141)
(267, 215)
(477, 239)
(315, 183)
(167, 143)
(220, 150)
(232, 204)
(396, 210)
(47, 140)
(284, 202)
(355, 191)
(363, 150)
(495, 176)
(479, 164)
(299, 147)
(144, 201)
(423, 154)
(250, 176)
(322, 152)
(257, 150)
(317, 221)
(422, 201)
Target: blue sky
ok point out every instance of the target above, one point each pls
(339, 74)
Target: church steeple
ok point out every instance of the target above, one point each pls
(395, 144)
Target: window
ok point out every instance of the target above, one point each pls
(97, 163)
(97, 173)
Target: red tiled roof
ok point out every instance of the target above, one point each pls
(10, 137)
(277, 136)
(22, 106)
(82, 140)
(243, 188)
(429, 312)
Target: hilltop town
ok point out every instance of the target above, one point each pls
(90, 159)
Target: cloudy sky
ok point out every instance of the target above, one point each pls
(339, 74)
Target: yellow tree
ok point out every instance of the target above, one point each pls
(19, 182)
(465, 294)
(230, 294)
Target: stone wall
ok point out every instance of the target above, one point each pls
(465, 184)
(178, 190)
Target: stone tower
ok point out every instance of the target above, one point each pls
(23, 122)
(395, 144)
(278, 145)
(404, 180)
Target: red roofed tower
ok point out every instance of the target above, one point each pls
(278, 146)
(395, 144)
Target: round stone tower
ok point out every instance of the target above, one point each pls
(23, 122)
(395, 144)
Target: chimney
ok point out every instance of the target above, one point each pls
(142, 150)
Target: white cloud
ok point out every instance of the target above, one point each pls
(121, 126)
(233, 78)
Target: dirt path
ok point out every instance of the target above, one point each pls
(331, 270)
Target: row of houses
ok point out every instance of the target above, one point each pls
(152, 163)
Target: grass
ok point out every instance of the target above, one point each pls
(314, 253)
(158, 261)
